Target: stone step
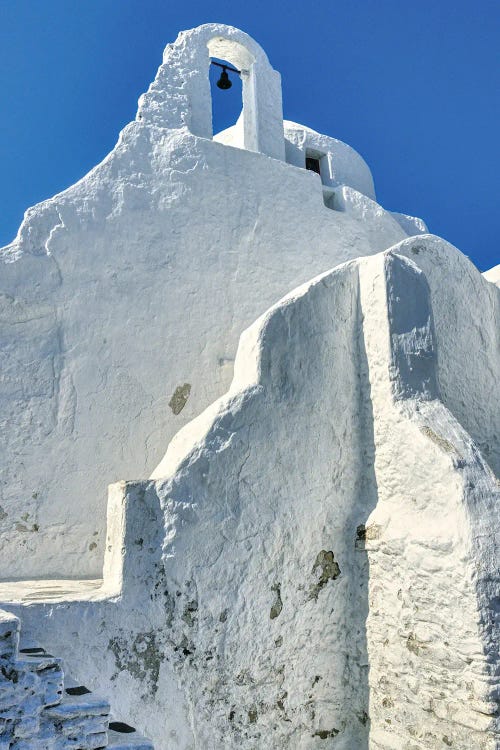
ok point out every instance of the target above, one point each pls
(41, 709)
(48, 670)
(80, 721)
(122, 736)
(74, 709)
(31, 681)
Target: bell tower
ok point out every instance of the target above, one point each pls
(180, 95)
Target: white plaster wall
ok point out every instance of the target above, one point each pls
(333, 438)
(468, 363)
(433, 539)
(340, 163)
(115, 642)
(207, 666)
(256, 500)
(411, 224)
(131, 288)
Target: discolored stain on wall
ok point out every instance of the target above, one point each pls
(278, 604)
(328, 570)
(179, 398)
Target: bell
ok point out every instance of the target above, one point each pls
(224, 81)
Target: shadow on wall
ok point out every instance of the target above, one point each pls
(357, 531)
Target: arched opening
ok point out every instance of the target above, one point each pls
(236, 104)
(227, 105)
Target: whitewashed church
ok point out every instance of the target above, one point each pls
(249, 459)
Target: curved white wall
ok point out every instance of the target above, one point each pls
(319, 560)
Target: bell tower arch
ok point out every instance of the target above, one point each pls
(239, 56)
(180, 95)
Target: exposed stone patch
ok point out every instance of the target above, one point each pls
(23, 527)
(185, 648)
(328, 570)
(325, 734)
(366, 534)
(189, 613)
(280, 703)
(278, 604)
(179, 398)
(140, 655)
(169, 606)
(414, 645)
(444, 444)
(244, 678)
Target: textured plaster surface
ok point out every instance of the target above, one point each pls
(468, 361)
(432, 627)
(122, 298)
(316, 563)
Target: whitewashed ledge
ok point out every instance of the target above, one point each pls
(52, 591)
(127, 564)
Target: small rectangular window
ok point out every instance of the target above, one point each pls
(313, 164)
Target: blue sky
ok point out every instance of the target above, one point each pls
(413, 86)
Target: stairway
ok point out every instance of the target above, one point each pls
(41, 709)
